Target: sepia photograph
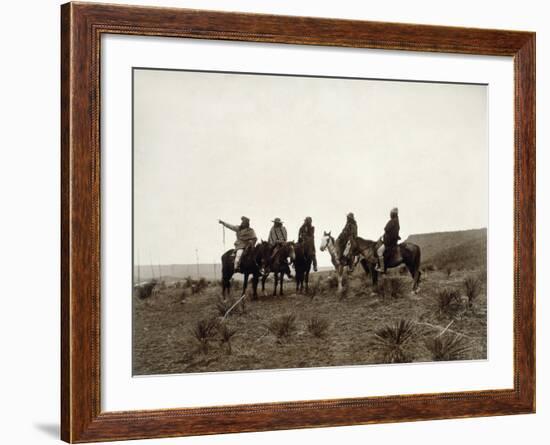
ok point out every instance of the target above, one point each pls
(297, 221)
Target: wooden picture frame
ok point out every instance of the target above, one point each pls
(82, 26)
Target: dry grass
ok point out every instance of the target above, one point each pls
(317, 326)
(164, 341)
(391, 287)
(283, 327)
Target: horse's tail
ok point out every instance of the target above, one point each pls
(227, 270)
(417, 258)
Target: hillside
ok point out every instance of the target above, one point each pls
(458, 249)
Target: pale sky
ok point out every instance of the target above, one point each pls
(211, 146)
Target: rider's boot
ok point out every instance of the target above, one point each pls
(380, 267)
(288, 272)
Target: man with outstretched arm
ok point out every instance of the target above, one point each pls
(246, 237)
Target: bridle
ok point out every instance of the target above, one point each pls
(331, 247)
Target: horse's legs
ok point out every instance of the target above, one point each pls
(281, 283)
(264, 278)
(415, 274)
(340, 275)
(245, 283)
(226, 285)
(276, 281)
(306, 278)
(255, 280)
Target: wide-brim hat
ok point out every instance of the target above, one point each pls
(394, 210)
(245, 218)
(350, 215)
(277, 220)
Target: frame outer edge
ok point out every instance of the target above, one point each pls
(525, 97)
(66, 47)
(81, 417)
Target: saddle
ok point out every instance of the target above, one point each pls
(391, 254)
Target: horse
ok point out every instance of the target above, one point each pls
(329, 243)
(253, 260)
(279, 266)
(406, 253)
(302, 266)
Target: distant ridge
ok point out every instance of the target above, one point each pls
(461, 248)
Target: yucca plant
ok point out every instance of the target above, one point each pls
(448, 301)
(472, 288)
(391, 341)
(203, 332)
(317, 326)
(448, 347)
(226, 334)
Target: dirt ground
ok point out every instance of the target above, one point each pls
(348, 325)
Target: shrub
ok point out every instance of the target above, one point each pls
(223, 306)
(226, 334)
(391, 287)
(316, 288)
(204, 332)
(345, 291)
(448, 301)
(317, 326)
(391, 341)
(472, 288)
(332, 281)
(445, 348)
(283, 327)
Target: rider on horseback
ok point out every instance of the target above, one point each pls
(346, 240)
(389, 240)
(246, 237)
(306, 235)
(277, 237)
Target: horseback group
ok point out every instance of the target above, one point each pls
(275, 255)
(272, 256)
(375, 256)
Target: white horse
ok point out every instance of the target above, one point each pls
(328, 243)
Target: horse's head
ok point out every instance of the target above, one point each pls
(326, 240)
(291, 251)
(263, 254)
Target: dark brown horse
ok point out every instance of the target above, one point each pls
(253, 260)
(405, 253)
(302, 266)
(278, 264)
